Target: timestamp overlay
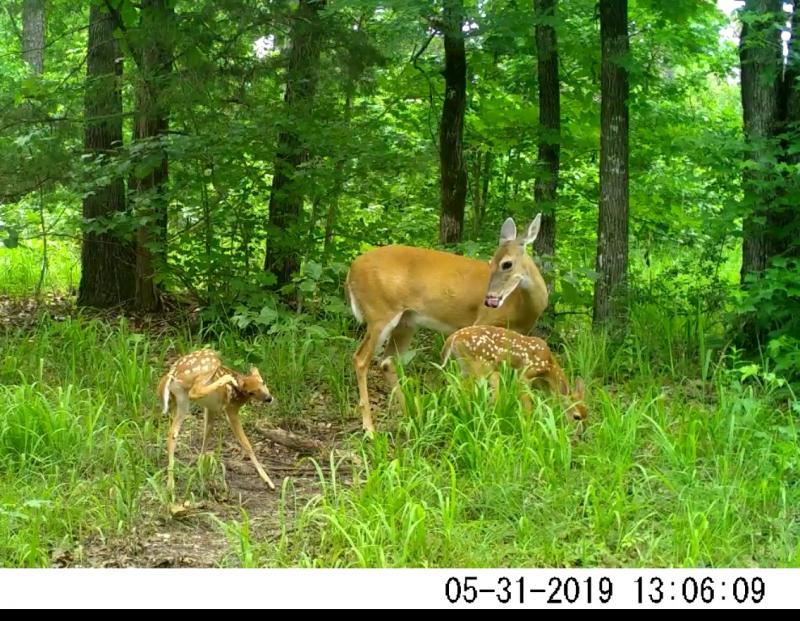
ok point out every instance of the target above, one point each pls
(612, 588)
(402, 588)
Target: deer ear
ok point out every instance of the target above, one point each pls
(532, 232)
(580, 388)
(509, 231)
(254, 372)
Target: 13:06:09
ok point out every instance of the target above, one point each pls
(692, 590)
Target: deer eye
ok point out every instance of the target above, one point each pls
(506, 265)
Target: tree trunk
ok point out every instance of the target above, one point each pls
(612, 230)
(286, 197)
(451, 130)
(107, 259)
(546, 185)
(33, 22)
(151, 122)
(339, 176)
(785, 222)
(761, 64)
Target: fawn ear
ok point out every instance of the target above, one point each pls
(580, 387)
(254, 372)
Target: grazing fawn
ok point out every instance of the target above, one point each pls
(481, 349)
(201, 378)
(397, 289)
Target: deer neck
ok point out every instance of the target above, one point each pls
(530, 290)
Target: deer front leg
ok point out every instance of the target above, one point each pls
(494, 383)
(236, 425)
(181, 411)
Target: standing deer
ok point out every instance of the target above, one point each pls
(200, 377)
(480, 350)
(396, 289)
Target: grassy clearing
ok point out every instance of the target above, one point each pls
(684, 463)
(82, 436)
(670, 473)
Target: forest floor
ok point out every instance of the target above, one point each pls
(189, 535)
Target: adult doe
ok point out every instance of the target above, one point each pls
(397, 289)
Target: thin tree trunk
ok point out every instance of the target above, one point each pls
(451, 130)
(487, 176)
(151, 122)
(286, 197)
(33, 27)
(761, 63)
(785, 222)
(546, 185)
(107, 260)
(612, 232)
(474, 182)
(333, 206)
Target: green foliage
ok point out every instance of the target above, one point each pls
(773, 302)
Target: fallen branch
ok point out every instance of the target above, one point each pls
(293, 441)
(306, 446)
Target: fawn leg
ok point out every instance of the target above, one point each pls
(236, 425)
(181, 411)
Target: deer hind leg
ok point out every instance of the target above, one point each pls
(200, 389)
(377, 332)
(236, 425)
(181, 411)
(397, 345)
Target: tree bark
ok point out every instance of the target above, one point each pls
(612, 231)
(339, 176)
(546, 184)
(107, 258)
(761, 65)
(33, 26)
(286, 197)
(785, 223)
(153, 51)
(451, 129)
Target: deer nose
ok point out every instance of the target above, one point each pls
(268, 398)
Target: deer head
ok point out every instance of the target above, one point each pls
(253, 386)
(509, 268)
(578, 410)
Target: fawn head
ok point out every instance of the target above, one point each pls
(578, 410)
(253, 386)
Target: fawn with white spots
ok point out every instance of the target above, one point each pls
(480, 350)
(200, 377)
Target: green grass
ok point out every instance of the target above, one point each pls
(82, 438)
(683, 463)
(21, 269)
(668, 474)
